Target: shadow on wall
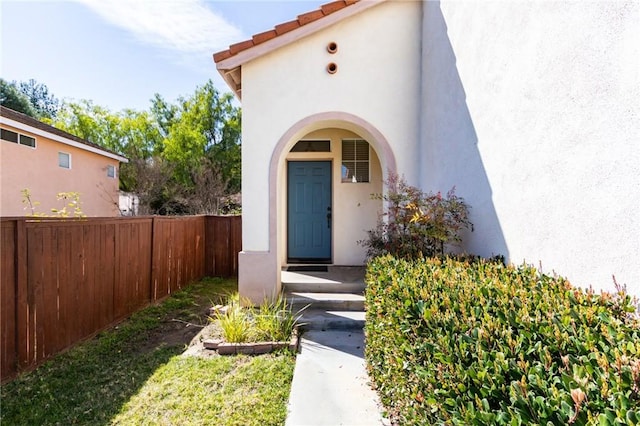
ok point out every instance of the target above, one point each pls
(449, 150)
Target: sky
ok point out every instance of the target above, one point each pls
(119, 53)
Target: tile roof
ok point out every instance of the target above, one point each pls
(30, 121)
(278, 30)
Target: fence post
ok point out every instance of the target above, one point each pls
(21, 292)
(153, 265)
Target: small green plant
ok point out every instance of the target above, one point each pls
(416, 223)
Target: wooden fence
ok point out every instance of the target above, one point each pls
(62, 281)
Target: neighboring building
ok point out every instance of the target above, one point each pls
(529, 108)
(128, 204)
(47, 161)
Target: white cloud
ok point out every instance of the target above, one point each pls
(187, 26)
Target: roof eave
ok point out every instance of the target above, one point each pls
(58, 138)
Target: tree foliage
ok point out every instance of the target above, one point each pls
(30, 98)
(183, 157)
(44, 103)
(12, 98)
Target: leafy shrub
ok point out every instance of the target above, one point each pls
(415, 223)
(474, 342)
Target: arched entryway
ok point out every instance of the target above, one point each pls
(328, 141)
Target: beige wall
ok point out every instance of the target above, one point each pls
(37, 169)
(531, 109)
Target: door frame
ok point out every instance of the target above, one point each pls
(289, 259)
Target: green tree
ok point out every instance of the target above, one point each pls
(206, 125)
(14, 99)
(183, 156)
(43, 102)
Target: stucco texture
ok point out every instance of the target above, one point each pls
(531, 109)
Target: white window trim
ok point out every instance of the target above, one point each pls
(38, 132)
(35, 140)
(69, 155)
(111, 166)
(368, 161)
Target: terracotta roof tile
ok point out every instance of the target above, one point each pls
(283, 28)
(239, 47)
(309, 17)
(220, 56)
(287, 26)
(265, 36)
(334, 6)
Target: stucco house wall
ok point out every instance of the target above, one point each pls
(378, 89)
(37, 169)
(531, 109)
(294, 83)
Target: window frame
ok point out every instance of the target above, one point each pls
(4, 131)
(111, 167)
(19, 138)
(355, 161)
(68, 154)
(310, 141)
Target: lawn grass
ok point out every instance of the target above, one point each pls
(134, 374)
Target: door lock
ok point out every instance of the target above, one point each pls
(329, 217)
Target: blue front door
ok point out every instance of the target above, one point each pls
(309, 211)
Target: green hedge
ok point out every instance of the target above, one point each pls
(474, 342)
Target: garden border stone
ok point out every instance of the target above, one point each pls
(253, 348)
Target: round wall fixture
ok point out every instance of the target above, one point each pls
(332, 68)
(332, 47)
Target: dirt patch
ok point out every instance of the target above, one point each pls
(175, 331)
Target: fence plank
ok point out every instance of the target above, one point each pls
(64, 280)
(8, 296)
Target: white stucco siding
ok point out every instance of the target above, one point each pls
(540, 130)
(378, 71)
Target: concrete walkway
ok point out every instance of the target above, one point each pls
(330, 383)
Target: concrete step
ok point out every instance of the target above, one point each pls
(338, 279)
(326, 301)
(322, 319)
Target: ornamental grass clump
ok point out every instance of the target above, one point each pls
(273, 321)
(235, 322)
(473, 342)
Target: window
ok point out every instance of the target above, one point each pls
(9, 136)
(64, 160)
(355, 160)
(111, 171)
(312, 146)
(28, 141)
